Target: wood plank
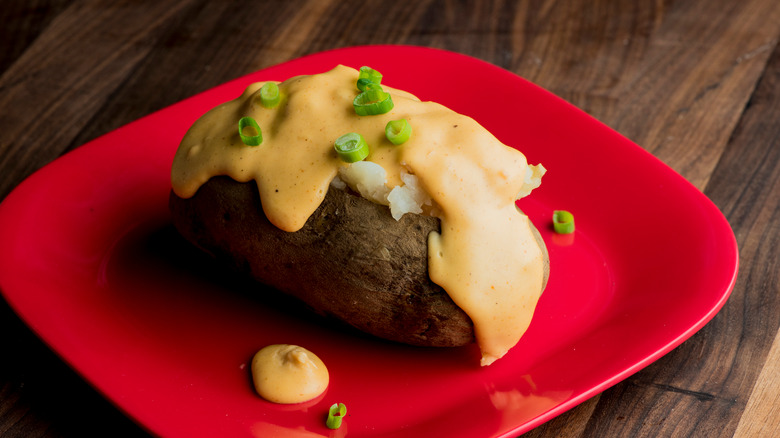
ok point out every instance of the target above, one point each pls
(583, 51)
(22, 23)
(754, 180)
(685, 100)
(55, 91)
(762, 414)
(183, 62)
(653, 70)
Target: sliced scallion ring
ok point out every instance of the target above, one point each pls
(398, 131)
(250, 139)
(336, 413)
(351, 147)
(372, 102)
(370, 74)
(364, 84)
(269, 95)
(563, 222)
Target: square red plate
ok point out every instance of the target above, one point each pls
(91, 263)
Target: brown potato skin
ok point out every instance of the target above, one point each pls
(351, 260)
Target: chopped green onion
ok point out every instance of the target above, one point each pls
(351, 147)
(563, 222)
(335, 414)
(372, 102)
(370, 74)
(364, 84)
(269, 95)
(250, 140)
(398, 131)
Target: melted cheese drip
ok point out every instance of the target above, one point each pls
(486, 257)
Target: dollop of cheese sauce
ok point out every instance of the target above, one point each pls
(485, 257)
(288, 374)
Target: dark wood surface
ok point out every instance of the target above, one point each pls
(696, 83)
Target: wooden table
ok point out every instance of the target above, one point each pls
(696, 83)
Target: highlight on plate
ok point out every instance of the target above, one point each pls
(391, 214)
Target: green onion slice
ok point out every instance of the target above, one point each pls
(372, 102)
(398, 131)
(269, 94)
(335, 414)
(370, 74)
(250, 140)
(364, 84)
(351, 147)
(563, 222)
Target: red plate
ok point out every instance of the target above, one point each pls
(91, 263)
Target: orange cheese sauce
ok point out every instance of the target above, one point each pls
(288, 374)
(485, 257)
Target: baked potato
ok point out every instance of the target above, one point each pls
(450, 262)
(351, 260)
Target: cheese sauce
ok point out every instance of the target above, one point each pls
(485, 257)
(288, 374)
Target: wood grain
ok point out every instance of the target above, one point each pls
(696, 83)
(55, 90)
(747, 186)
(762, 414)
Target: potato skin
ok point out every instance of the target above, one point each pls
(351, 260)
